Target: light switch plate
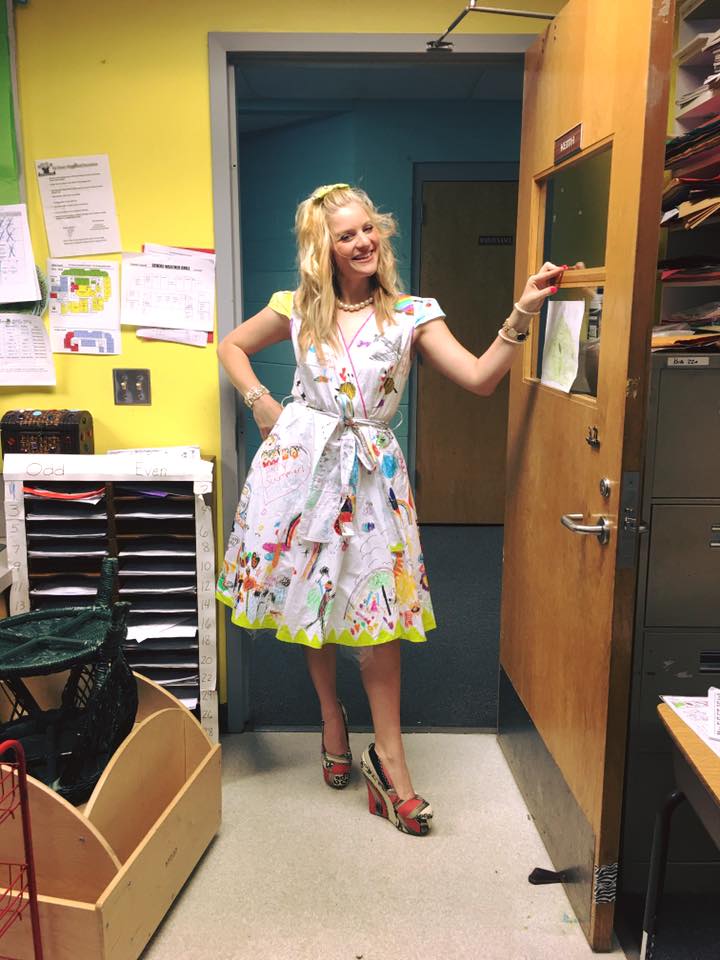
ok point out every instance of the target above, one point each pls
(131, 387)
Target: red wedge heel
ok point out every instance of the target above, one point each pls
(411, 816)
(336, 767)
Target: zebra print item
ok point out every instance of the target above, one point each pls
(605, 883)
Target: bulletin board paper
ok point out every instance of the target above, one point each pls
(84, 306)
(160, 290)
(79, 205)
(18, 276)
(26, 359)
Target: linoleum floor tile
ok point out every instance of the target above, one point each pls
(302, 872)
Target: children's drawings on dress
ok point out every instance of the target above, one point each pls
(283, 469)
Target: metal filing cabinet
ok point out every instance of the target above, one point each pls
(677, 627)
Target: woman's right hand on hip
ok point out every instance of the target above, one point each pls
(266, 411)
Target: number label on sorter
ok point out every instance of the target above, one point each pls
(688, 361)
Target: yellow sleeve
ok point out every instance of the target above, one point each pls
(282, 302)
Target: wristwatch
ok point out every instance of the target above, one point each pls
(513, 333)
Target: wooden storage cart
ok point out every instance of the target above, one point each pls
(108, 872)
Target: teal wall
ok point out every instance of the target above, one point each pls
(371, 144)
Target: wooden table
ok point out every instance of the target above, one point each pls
(697, 778)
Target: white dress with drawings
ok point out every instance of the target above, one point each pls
(325, 546)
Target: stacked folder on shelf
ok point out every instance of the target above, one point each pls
(151, 528)
(155, 529)
(690, 201)
(67, 531)
(704, 268)
(702, 143)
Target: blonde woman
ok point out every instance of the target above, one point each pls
(325, 548)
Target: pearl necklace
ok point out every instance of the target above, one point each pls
(354, 307)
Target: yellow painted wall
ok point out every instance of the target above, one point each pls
(130, 79)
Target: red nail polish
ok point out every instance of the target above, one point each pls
(553, 289)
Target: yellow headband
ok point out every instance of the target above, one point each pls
(322, 192)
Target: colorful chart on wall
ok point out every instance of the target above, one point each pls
(84, 306)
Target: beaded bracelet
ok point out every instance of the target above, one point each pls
(252, 395)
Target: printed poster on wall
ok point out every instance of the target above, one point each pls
(84, 306)
(79, 205)
(18, 276)
(25, 356)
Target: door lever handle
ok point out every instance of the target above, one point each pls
(601, 530)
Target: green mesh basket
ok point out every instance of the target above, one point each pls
(69, 746)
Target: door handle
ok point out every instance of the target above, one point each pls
(601, 530)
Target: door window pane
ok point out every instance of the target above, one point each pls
(576, 211)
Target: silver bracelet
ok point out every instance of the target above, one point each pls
(525, 313)
(252, 395)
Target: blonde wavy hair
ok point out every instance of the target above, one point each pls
(318, 289)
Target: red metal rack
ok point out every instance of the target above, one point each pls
(18, 890)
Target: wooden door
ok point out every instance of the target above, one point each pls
(467, 263)
(567, 606)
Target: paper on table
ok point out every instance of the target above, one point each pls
(191, 338)
(84, 306)
(18, 276)
(25, 356)
(562, 343)
(168, 291)
(78, 205)
(696, 714)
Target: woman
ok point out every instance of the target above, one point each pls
(325, 547)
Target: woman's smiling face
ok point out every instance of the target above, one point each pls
(355, 242)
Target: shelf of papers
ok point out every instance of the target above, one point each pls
(160, 530)
(706, 105)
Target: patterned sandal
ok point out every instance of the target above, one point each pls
(336, 768)
(410, 816)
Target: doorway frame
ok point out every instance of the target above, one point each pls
(225, 50)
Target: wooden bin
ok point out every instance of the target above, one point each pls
(108, 872)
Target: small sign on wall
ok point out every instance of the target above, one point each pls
(568, 144)
(495, 241)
